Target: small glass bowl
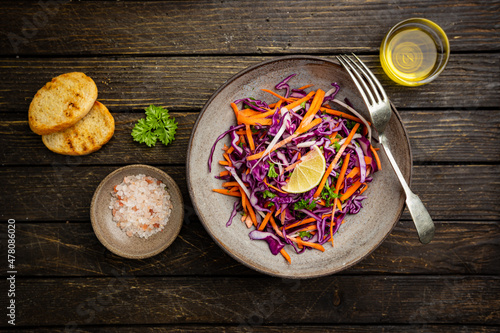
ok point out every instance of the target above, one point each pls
(430, 28)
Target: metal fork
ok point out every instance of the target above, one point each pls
(380, 111)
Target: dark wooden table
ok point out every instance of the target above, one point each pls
(176, 54)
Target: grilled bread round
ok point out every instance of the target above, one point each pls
(61, 103)
(86, 136)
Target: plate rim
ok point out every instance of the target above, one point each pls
(190, 188)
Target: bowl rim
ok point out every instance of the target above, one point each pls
(190, 188)
(432, 26)
(170, 239)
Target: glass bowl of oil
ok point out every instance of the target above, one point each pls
(414, 52)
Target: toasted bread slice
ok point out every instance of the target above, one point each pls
(86, 136)
(61, 103)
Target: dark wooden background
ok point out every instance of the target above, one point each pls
(176, 54)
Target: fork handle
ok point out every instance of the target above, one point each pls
(421, 217)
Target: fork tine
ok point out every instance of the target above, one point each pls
(373, 91)
(357, 79)
(373, 78)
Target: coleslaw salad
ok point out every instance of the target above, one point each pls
(269, 142)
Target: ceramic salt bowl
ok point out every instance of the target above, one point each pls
(115, 239)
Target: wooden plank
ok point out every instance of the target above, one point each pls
(430, 328)
(16, 139)
(243, 301)
(232, 27)
(63, 192)
(71, 249)
(435, 136)
(470, 81)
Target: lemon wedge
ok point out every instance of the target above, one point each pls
(308, 173)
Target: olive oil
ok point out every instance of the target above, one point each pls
(411, 54)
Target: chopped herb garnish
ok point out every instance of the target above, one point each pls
(268, 194)
(305, 234)
(272, 172)
(304, 204)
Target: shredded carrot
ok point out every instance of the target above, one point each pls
(333, 216)
(313, 109)
(275, 94)
(308, 228)
(236, 111)
(323, 180)
(265, 114)
(309, 244)
(254, 121)
(226, 157)
(274, 187)
(305, 87)
(374, 152)
(339, 205)
(286, 256)
(304, 221)
(275, 227)
(277, 213)
(226, 192)
(249, 113)
(224, 173)
(266, 219)
(350, 191)
(249, 136)
(230, 184)
(276, 146)
(226, 163)
(243, 200)
(307, 127)
(342, 114)
(344, 145)
(365, 187)
(343, 170)
(354, 172)
(252, 213)
(300, 101)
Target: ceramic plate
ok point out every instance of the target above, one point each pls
(357, 237)
(112, 237)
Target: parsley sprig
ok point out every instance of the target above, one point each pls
(158, 125)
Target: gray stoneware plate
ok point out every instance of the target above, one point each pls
(112, 237)
(359, 236)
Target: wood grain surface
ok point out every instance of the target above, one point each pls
(350, 299)
(470, 81)
(233, 27)
(177, 54)
(72, 250)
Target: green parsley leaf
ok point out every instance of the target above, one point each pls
(328, 194)
(272, 172)
(304, 204)
(158, 125)
(303, 105)
(268, 194)
(305, 234)
(350, 124)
